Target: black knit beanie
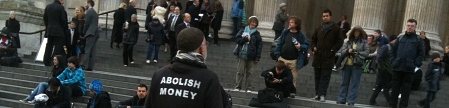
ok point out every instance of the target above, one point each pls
(435, 55)
(189, 39)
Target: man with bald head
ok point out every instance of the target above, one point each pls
(130, 10)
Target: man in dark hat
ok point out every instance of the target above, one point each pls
(8, 49)
(187, 73)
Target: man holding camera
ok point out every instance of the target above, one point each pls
(280, 78)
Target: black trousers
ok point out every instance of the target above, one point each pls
(74, 90)
(128, 53)
(285, 88)
(55, 46)
(402, 83)
(71, 51)
(429, 98)
(383, 82)
(216, 36)
(205, 28)
(322, 78)
(277, 34)
(172, 42)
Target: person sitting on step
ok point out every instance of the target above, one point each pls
(73, 78)
(58, 96)
(280, 78)
(8, 49)
(59, 64)
(99, 98)
(137, 101)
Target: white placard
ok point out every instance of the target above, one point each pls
(40, 54)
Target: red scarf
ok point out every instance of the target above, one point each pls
(4, 39)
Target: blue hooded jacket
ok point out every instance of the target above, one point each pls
(301, 38)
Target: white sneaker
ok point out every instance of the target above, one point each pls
(125, 65)
(399, 96)
(132, 62)
(155, 61)
(248, 91)
(148, 61)
(31, 102)
(382, 90)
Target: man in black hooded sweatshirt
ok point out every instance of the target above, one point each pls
(186, 82)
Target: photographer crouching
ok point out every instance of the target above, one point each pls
(280, 78)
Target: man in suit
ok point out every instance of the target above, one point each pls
(91, 36)
(344, 25)
(171, 27)
(71, 40)
(55, 20)
(194, 11)
(130, 10)
(186, 24)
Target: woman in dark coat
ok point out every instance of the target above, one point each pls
(156, 35)
(216, 21)
(79, 18)
(14, 28)
(119, 19)
(59, 65)
(130, 39)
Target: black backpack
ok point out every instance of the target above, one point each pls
(269, 95)
(227, 99)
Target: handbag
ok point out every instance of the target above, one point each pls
(358, 60)
(269, 95)
(237, 50)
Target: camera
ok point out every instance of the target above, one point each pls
(269, 77)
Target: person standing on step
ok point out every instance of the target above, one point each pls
(194, 11)
(71, 40)
(186, 24)
(237, 14)
(280, 19)
(58, 96)
(14, 28)
(55, 20)
(205, 20)
(188, 66)
(130, 39)
(81, 42)
(384, 69)
(292, 47)
(326, 41)
(351, 62)
(344, 25)
(130, 10)
(171, 25)
(98, 97)
(407, 55)
(117, 29)
(137, 100)
(434, 73)
(216, 20)
(91, 36)
(155, 38)
(249, 49)
(73, 78)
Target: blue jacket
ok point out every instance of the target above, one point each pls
(237, 8)
(433, 76)
(383, 49)
(407, 53)
(301, 38)
(73, 77)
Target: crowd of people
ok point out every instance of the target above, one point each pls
(71, 50)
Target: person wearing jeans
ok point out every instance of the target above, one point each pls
(155, 38)
(237, 14)
(356, 47)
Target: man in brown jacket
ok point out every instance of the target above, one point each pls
(326, 41)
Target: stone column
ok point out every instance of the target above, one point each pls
(370, 14)
(428, 13)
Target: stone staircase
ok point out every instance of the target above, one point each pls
(121, 82)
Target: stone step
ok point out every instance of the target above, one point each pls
(15, 103)
(243, 101)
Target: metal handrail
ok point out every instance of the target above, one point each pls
(107, 14)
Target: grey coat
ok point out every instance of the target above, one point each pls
(362, 49)
(280, 19)
(91, 23)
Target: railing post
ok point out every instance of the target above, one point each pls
(106, 27)
(40, 38)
